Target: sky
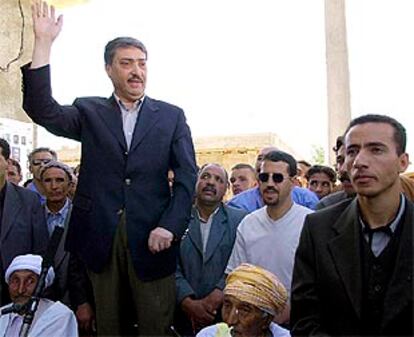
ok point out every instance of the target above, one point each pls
(244, 66)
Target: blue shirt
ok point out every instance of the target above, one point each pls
(32, 187)
(57, 219)
(251, 199)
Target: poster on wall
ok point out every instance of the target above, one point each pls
(20, 137)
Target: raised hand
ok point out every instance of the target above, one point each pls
(46, 28)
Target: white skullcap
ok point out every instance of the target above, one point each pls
(29, 262)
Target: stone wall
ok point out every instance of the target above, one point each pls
(16, 41)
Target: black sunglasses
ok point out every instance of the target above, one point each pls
(276, 177)
(37, 162)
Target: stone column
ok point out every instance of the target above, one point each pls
(16, 40)
(339, 107)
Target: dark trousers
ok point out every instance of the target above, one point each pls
(125, 305)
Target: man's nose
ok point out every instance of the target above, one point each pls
(22, 288)
(233, 317)
(360, 160)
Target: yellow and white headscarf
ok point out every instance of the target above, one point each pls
(257, 286)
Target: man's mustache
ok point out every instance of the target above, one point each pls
(271, 189)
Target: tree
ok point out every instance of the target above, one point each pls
(318, 155)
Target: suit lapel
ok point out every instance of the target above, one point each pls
(12, 206)
(400, 290)
(216, 235)
(61, 252)
(194, 232)
(112, 116)
(148, 116)
(345, 251)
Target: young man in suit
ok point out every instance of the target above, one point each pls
(125, 223)
(353, 267)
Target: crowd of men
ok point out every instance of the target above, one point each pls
(152, 247)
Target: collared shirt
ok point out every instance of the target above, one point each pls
(205, 227)
(56, 219)
(32, 187)
(129, 118)
(379, 239)
(252, 200)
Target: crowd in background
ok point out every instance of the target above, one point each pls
(150, 246)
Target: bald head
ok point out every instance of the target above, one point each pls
(264, 151)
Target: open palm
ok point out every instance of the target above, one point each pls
(45, 25)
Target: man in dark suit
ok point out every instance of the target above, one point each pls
(23, 227)
(204, 252)
(125, 223)
(353, 267)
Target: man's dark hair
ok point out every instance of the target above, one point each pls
(400, 135)
(321, 169)
(276, 156)
(339, 144)
(304, 162)
(16, 164)
(243, 166)
(122, 42)
(5, 148)
(42, 149)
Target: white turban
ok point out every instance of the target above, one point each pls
(32, 263)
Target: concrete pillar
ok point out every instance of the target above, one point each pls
(339, 106)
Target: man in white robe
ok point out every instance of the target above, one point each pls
(51, 318)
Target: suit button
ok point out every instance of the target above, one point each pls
(127, 181)
(377, 288)
(126, 153)
(119, 211)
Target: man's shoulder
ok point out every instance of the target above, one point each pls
(332, 199)
(252, 218)
(162, 104)
(54, 309)
(301, 210)
(234, 212)
(246, 200)
(22, 193)
(331, 213)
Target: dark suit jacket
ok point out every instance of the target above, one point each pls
(327, 283)
(113, 178)
(23, 228)
(71, 285)
(197, 274)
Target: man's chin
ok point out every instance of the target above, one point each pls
(21, 300)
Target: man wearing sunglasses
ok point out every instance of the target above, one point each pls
(37, 159)
(252, 200)
(268, 237)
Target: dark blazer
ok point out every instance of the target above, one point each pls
(113, 179)
(23, 226)
(198, 275)
(327, 282)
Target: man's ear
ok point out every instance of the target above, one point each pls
(404, 161)
(108, 69)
